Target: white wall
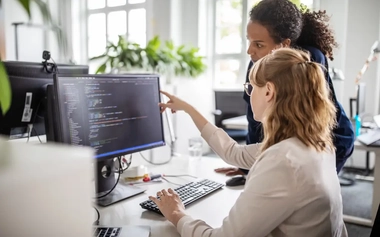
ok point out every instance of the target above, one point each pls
(338, 21)
(179, 20)
(362, 32)
(356, 26)
(31, 41)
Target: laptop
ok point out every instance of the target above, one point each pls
(372, 137)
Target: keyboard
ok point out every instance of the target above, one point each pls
(106, 232)
(188, 193)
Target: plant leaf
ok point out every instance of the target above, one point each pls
(5, 90)
(44, 9)
(102, 68)
(26, 5)
(97, 57)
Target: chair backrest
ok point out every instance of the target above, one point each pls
(376, 224)
(230, 104)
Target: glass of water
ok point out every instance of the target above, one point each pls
(195, 147)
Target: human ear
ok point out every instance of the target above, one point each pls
(286, 43)
(269, 94)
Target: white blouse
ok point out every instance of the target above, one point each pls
(291, 190)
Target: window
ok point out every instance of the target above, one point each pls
(230, 44)
(107, 19)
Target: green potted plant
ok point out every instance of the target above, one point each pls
(163, 58)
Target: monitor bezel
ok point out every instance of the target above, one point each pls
(56, 79)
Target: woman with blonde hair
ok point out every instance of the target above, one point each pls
(292, 188)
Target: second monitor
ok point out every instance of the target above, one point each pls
(114, 114)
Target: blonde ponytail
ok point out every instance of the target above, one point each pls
(302, 106)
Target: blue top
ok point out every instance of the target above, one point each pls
(344, 136)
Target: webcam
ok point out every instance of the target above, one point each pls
(49, 67)
(46, 55)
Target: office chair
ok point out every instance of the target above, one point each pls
(229, 104)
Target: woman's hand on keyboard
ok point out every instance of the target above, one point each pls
(170, 205)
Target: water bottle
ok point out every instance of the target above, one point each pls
(358, 125)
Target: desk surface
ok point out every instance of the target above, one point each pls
(240, 122)
(212, 209)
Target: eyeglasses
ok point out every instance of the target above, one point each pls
(248, 88)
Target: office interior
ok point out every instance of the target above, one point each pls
(217, 29)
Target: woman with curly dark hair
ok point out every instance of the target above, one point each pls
(279, 23)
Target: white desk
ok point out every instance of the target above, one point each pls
(212, 209)
(242, 123)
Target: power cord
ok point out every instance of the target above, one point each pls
(181, 175)
(29, 131)
(31, 127)
(153, 163)
(117, 181)
(128, 163)
(38, 136)
(56, 67)
(171, 181)
(98, 219)
(176, 175)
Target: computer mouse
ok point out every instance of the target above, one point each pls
(236, 181)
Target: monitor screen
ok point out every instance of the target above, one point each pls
(115, 114)
(28, 81)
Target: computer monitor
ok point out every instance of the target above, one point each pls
(28, 82)
(114, 114)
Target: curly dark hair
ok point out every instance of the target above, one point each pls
(284, 20)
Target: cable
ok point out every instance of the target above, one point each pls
(36, 113)
(117, 181)
(56, 67)
(128, 164)
(176, 175)
(98, 219)
(29, 131)
(181, 175)
(153, 163)
(38, 136)
(171, 181)
(31, 126)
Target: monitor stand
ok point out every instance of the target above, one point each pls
(105, 180)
